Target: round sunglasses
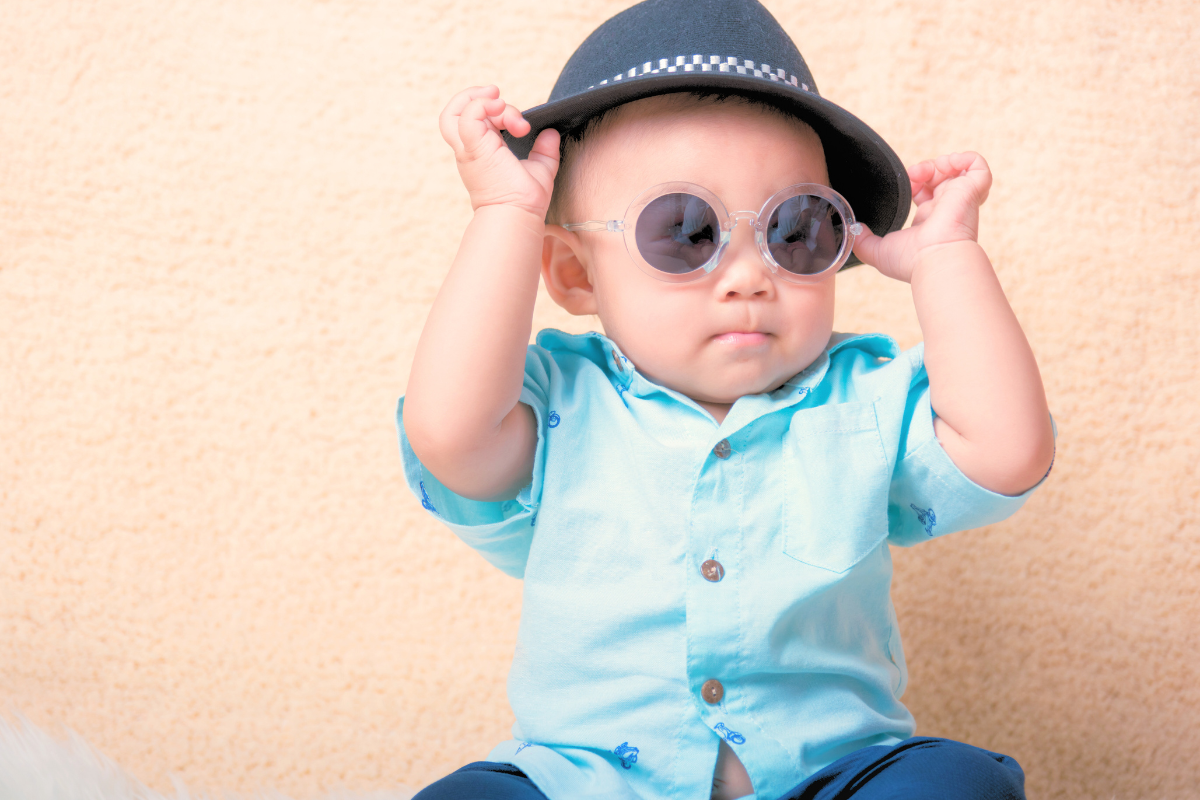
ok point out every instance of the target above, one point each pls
(678, 231)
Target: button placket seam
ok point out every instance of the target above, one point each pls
(734, 461)
(739, 462)
(743, 706)
(689, 586)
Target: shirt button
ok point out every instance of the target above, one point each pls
(722, 449)
(712, 691)
(712, 570)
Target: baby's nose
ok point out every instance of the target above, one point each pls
(745, 273)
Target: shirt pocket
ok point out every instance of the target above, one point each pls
(836, 482)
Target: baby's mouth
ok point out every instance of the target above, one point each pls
(741, 338)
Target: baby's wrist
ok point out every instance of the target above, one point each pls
(938, 259)
(517, 216)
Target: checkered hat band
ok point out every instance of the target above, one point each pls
(699, 63)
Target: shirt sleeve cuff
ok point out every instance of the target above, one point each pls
(501, 531)
(934, 497)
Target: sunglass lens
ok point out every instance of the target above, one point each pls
(805, 234)
(677, 233)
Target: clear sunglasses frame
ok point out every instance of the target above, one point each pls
(728, 221)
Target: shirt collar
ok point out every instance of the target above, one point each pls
(623, 373)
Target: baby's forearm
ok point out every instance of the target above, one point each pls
(462, 413)
(984, 384)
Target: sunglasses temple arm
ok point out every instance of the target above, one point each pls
(612, 225)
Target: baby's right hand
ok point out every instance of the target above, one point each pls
(471, 124)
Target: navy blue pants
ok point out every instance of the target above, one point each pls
(920, 768)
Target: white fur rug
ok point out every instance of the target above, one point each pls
(35, 766)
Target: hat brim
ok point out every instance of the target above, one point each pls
(862, 167)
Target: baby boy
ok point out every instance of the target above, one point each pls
(701, 500)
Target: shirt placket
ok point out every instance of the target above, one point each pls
(714, 580)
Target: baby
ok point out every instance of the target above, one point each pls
(701, 500)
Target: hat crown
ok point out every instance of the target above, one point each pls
(726, 46)
(668, 35)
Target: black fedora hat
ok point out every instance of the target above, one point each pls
(735, 46)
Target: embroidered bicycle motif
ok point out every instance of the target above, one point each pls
(553, 419)
(926, 517)
(733, 737)
(627, 754)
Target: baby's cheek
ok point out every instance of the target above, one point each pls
(809, 309)
(646, 317)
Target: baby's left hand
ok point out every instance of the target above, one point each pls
(948, 192)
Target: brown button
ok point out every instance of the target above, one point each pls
(722, 449)
(712, 570)
(617, 361)
(712, 691)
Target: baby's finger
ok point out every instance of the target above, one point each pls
(867, 246)
(460, 100)
(507, 118)
(943, 170)
(967, 161)
(922, 171)
(936, 173)
(970, 167)
(881, 252)
(474, 124)
(976, 168)
(448, 119)
(545, 151)
(919, 177)
(513, 121)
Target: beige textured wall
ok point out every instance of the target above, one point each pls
(221, 225)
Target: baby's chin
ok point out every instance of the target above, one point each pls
(724, 382)
(728, 393)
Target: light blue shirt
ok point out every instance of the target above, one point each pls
(796, 495)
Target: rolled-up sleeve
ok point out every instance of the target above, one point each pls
(500, 530)
(929, 495)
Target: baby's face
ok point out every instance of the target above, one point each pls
(741, 329)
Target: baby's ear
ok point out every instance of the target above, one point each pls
(564, 273)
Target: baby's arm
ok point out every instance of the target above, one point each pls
(462, 413)
(984, 385)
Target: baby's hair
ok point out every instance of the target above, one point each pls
(572, 150)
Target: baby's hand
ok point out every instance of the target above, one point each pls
(948, 192)
(471, 124)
